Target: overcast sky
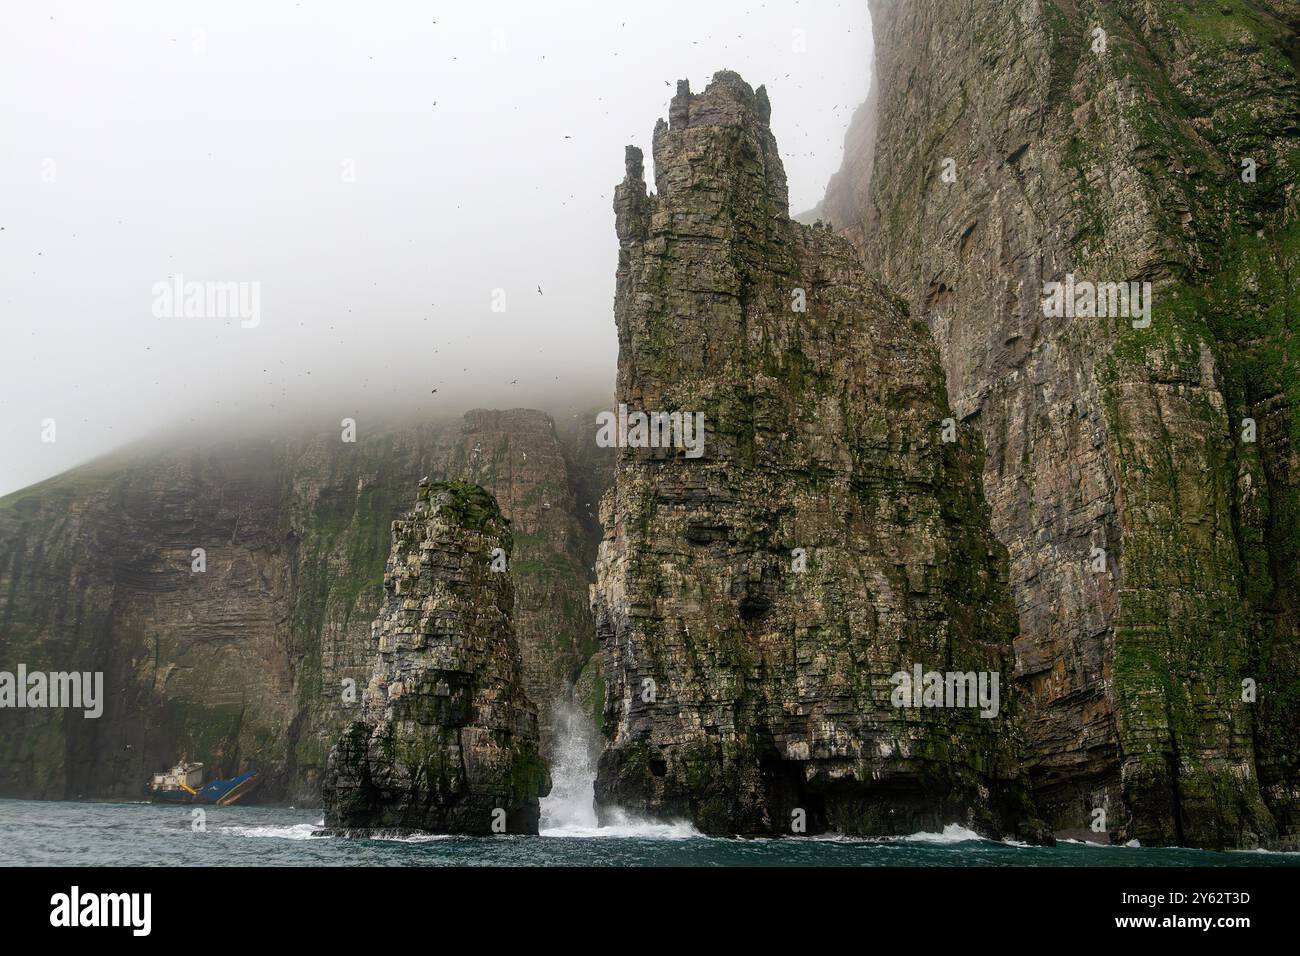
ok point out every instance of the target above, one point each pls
(378, 169)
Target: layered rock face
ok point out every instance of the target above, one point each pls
(1152, 532)
(545, 483)
(754, 600)
(448, 740)
(243, 664)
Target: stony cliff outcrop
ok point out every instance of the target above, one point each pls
(754, 600)
(1143, 477)
(243, 663)
(447, 741)
(545, 481)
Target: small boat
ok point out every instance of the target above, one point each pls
(184, 784)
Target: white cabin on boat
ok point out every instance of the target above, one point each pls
(189, 775)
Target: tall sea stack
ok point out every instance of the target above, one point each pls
(447, 741)
(756, 596)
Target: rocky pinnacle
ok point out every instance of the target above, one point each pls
(446, 741)
(755, 602)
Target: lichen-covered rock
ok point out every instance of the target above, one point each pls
(1006, 145)
(448, 740)
(754, 602)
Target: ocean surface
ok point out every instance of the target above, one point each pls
(55, 833)
(49, 833)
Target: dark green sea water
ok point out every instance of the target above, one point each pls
(138, 834)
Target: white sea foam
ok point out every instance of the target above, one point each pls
(1260, 849)
(624, 826)
(571, 805)
(410, 837)
(952, 833)
(569, 811)
(306, 831)
(827, 838)
(298, 831)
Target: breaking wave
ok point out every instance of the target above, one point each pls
(298, 831)
(623, 826)
(952, 833)
(569, 811)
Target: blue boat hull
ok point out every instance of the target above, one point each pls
(221, 792)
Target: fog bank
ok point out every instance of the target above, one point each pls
(416, 198)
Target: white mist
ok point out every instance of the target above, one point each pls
(571, 805)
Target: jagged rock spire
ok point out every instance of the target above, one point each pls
(753, 601)
(447, 741)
